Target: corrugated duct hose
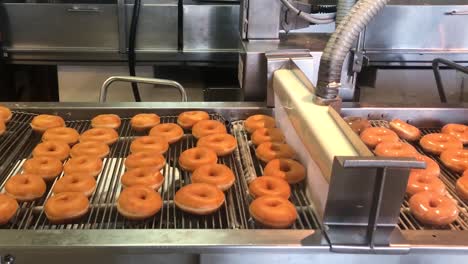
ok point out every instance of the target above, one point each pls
(342, 9)
(339, 45)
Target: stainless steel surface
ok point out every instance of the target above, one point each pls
(110, 80)
(261, 19)
(122, 26)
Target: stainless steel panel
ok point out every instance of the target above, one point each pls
(263, 19)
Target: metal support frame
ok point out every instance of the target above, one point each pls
(451, 65)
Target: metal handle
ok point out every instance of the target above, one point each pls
(110, 80)
(78, 9)
(457, 13)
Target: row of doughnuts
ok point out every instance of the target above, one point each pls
(5, 117)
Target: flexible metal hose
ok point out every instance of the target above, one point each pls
(340, 43)
(308, 17)
(343, 8)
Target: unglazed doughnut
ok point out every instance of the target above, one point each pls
(190, 118)
(8, 208)
(259, 121)
(65, 207)
(106, 121)
(171, 132)
(5, 114)
(149, 177)
(267, 135)
(286, 169)
(86, 165)
(432, 168)
(433, 209)
(455, 159)
(357, 124)
(149, 144)
(372, 136)
(269, 186)
(64, 134)
(268, 151)
(104, 135)
(462, 187)
(46, 167)
(193, 158)
(90, 148)
(222, 144)
(216, 174)
(419, 182)
(145, 160)
(405, 130)
(52, 149)
(76, 182)
(25, 187)
(139, 202)
(395, 149)
(142, 122)
(208, 127)
(458, 131)
(436, 143)
(41, 123)
(199, 198)
(273, 211)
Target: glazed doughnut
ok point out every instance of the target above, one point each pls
(432, 168)
(64, 134)
(46, 167)
(188, 119)
(139, 202)
(405, 130)
(149, 177)
(145, 160)
(395, 149)
(86, 165)
(419, 182)
(76, 182)
(216, 174)
(199, 198)
(41, 123)
(222, 144)
(208, 127)
(171, 132)
(193, 158)
(372, 136)
(286, 169)
(5, 114)
(458, 131)
(267, 135)
(455, 159)
(433, 209)
(2, 127)
(142, 122)
(462, 187)
(436, 143)
(259, 121)
(149, 144)
(268, 151)
(52, 149)
(90, 148)
(8, 208)
(104, 135)
(273, 211)
(269, 186)
(65, 207)
(25, 187)
(106, 121)
(357, 124)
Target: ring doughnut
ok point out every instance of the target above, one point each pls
(268, 151)
(273, 211)
(149, 144)
(462, 187)
(76, 182)
(190, 118)
(8, 208)
(199, 198)
(52, 149)
(139, 202)
(432, 168)
(455, 159)
(145, 160)
(86, 165)
(433, 209)
(193, 158)
(171, 132)
(267, 135)
(222, 144)
(286, 169)
(41, 123)
(5, 114)
(106, 121)
(372, 136)
(64, 134)
(149, 177)
(25, 187)
(436, 143)
(405, 130)
(208, 127)
(216, 174)
(104, 135)
(419, 182)
(142, 122)
(90, 148)
(46, 167)
(65, 207)
(259, 121)
(395, 149)
(269, 186)
(357, 124)
(458, 131)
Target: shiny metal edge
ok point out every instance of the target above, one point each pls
(434, 240)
